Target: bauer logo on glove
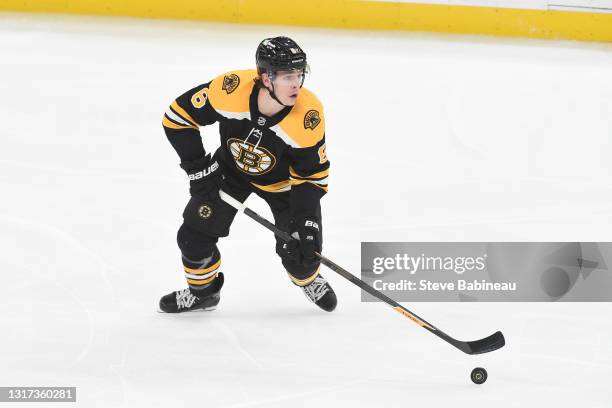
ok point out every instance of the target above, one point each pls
(205, 172)
(311, 224)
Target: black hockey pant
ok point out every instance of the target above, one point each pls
(208, 219)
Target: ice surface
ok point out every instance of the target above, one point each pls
(430, 137)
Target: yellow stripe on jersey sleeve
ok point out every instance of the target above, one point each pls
(279, 187)
(183, 113)
(319, 175)
(305, 124)
(230, 92)
(169, 124)
(321, 186)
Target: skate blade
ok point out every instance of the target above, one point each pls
(206, 309)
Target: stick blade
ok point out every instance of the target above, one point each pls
(486, 345)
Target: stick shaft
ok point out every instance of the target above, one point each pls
(480, 346)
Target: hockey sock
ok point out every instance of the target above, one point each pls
(304, 281)
(200, 274)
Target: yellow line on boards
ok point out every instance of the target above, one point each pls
(377, 15)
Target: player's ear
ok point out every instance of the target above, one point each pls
(265, 79)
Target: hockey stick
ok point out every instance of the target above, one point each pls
(488, 344)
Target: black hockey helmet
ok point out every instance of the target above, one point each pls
(279, 54)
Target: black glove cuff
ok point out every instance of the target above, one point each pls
(305, 224)
(200, 169)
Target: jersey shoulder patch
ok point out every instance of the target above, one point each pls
(305, 124)
(229, 93)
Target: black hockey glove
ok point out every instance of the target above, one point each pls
(205, 177)
(306, 241)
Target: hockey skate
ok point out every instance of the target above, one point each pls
(321, 294)
(187, 300)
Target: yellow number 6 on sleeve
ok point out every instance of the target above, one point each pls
(199, 98)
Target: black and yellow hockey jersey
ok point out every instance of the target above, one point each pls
(271, 154)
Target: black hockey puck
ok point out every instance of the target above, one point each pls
(479, 375)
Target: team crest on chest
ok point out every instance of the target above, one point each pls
(312, 119)
(251, 159)
(230, 83)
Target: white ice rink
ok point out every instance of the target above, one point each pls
(431, 138)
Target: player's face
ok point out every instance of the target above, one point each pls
(287, 85)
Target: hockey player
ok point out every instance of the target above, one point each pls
(272, 144)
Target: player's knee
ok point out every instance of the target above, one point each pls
(212, 217)
(195, 244)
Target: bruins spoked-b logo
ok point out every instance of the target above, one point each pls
(251, 159)
(205, 211)
(230, 83)
(312, 119)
